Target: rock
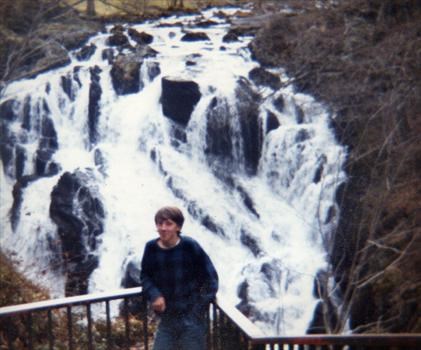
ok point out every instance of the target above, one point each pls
(117, 39)
(108, 54)
(299, 115)
(248, 202)
(153, 69)
(17, 193)
(230, 37)
(218, 133)
(248, 110)
(250, 242)
(95, 92)
(140, 37)
(260, 76)
(77, 211)
(279, 103)
(86, 52)
(125, 74)
(272, 122)
(194, 36)
(179, 97)
(131, 278)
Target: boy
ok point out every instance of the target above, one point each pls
(180, 281)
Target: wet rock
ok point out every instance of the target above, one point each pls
(179, 97)
(230, 37)
(299, 115)
(77, 211)
(131, 278)
(86, 52)
(248, 110)
(195, 36)
(320, 167)
(279, 103)
(205, 24)
(140, 37)
(17, 194)
(302, 135)
(125, 74)
(260, 76)
(218, 132)
(117, 39)
(248, 202)
(153, 69)
(67, 86)
(108, 54)
(250, 242)
(95, 92)
(272, 122)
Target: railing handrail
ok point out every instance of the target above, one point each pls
(254, 334)
(69, 301)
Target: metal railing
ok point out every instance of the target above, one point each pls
(87, 322)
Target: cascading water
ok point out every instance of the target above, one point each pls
(255, 169)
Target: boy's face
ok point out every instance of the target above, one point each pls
(168, 231)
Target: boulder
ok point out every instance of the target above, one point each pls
(117, 39)
(260, 76)
(86, 52)
(195, 36)
(179, 97)
(230, 37)
(95, 92)
(140, 37)
(125, 74)
(248, 110)
(77, 210)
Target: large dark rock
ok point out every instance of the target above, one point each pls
(140, 37)
(77, 211)
(179, 97)
(195, 36)
(219, 138)
(261, 76)
(248, 110)
(17, 194)
(95, 92)
(125, 74)
(117, 39)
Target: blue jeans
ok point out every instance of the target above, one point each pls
(181, 332)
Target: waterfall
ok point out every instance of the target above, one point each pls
(253, 165)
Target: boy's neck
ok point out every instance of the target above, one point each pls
(169, 245)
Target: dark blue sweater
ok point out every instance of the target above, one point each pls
(184, 275)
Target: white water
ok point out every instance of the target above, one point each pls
(292, 208)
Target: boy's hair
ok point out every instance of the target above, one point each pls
(172, 213)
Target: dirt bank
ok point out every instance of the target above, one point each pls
(362, 58)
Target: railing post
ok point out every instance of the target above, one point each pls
(126, 322)
(29, 330)
(50, 330)
(89, 316)
(70, 327)
(145, 323)
(108, 322)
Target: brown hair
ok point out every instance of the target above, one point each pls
(172, 213)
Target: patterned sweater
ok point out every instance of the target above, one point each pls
(184, 275)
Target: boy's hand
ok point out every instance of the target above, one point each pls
(158, 305)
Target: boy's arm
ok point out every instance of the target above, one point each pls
(149, 288)
(209, 278)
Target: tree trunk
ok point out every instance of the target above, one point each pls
(90, 7)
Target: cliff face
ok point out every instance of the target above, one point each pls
(361, 58)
